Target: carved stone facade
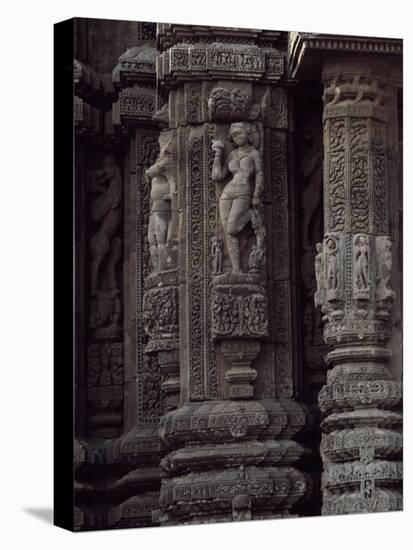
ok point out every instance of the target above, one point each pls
(237, 253)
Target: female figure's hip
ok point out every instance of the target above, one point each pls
(236, 190)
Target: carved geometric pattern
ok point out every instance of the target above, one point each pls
(359, 182)
(161, 318)
(195, 239)
(210, 224)
(239, 311)
(335, 175)
(220, 60)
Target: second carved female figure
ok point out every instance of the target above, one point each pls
(241, 199)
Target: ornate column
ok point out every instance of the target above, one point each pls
(230, 447)
(362, 441)
(132, 459)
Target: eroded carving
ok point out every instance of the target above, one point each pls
(239, 310)
(332, 262)
(105, 314)
(160, 317)
(231, 104)
(106, 210)
(105, 364)
(384, 293)
(319, 275)
(362, 264)
(361, 86)
(217, 255)
(160, 219)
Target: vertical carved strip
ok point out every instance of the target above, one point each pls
(105, 350)
(279, 196)
(210, 223)
(195, 239)
(335, 174)
(359, 200)
(146, 152)
(281, 289)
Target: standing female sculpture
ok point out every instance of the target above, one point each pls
(106, 209)
(362, 263)
(238, 205)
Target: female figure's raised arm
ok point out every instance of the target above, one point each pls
(219, 170)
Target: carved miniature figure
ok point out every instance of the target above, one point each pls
(217, 252)
(332, 265)
(361, 258)
(256, 258)
(319, 273)
(162, 115)
(238, 205)
(384, 257)
(362, 87)
(105, 312)
(107, 207)
(159, 232)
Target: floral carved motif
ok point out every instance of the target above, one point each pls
(239, 310)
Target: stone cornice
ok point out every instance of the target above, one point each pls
(137, 64)
(170, 34)
(319, 45)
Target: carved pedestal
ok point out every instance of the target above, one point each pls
(361, 443)
(161, 318)
(239, 320)
(240, 377)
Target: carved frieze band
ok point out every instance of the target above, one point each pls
(134, 104)
(206, 60)
(353, 277)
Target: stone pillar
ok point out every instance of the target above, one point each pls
(230, 448)
(362, 441)
(133, 458)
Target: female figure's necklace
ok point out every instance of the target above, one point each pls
(240, 154)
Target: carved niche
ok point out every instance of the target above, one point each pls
(105, 352)
(160, 301)
(239, 303)
(239, 204)
(106, 250)
(362, 263)
(384, 293)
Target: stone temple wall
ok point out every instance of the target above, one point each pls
(238, 274)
